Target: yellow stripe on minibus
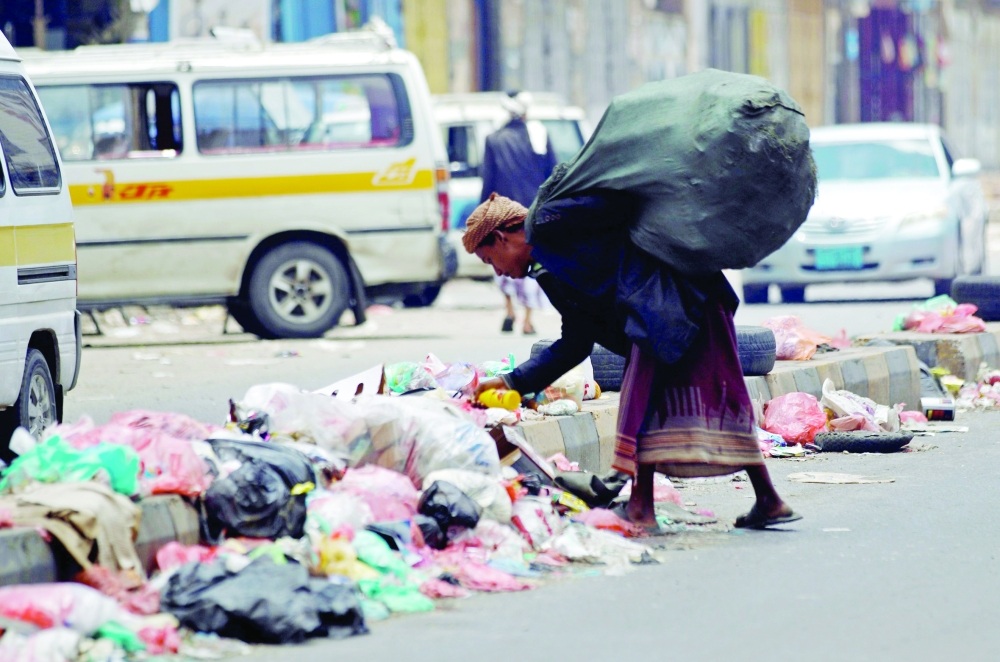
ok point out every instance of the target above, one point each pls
(250, 187)
(26, 245)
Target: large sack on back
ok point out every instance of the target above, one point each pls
(718, 166)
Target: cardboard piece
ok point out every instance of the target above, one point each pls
(371, 381)
(515, 451)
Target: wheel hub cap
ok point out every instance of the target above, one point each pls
(301, 291)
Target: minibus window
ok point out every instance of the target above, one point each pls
(137, 120)
(316, 113)
(31, 158)
(240, 117)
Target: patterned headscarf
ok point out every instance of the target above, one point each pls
(496, 213)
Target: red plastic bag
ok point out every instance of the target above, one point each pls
(601, 518)
(174, 555)
(795, 417)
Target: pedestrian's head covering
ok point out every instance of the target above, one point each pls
(496, 213)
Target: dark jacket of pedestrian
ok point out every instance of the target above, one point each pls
(511, 167)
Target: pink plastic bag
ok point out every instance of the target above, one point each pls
(390, 495)
(601, 518)
(78, 607)
(915, 416)
(478, 577)
(174, 555)
(794, 341)
(795, 417)
(943, 315)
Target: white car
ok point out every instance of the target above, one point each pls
(893, 204)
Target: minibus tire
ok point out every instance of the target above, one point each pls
(320, 269)
(37, 371)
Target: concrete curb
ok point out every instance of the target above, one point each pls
(25, 557)
(888, 375)
(960, 353)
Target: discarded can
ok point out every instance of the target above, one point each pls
(938, 409)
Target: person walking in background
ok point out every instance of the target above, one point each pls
(518, 158)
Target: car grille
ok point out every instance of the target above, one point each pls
(842, 226)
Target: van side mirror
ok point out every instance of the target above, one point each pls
(966, 168)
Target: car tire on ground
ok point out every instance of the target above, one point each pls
(297, 290)
(862, 442)
(756, 347)
(755, 293)
(982, 291)
(35, 408)
(422, 299)
(793, 294)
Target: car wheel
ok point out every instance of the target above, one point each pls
(755, 293)
(298, 290)
(35, 408)
(793, 294)
(756, 347)
(423, 299)
(982, 291)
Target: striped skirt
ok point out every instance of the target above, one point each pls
(693, 417)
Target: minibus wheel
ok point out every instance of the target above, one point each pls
(35, 408)
(298, 290)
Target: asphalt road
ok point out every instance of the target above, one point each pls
(898, 571)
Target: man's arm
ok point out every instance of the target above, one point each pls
(556, 360)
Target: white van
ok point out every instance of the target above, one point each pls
(466, 120)
(287, 181)
(39, 325)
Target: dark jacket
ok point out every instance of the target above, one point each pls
(511, 167)
(609, 291)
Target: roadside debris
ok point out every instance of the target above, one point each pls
(835, 478)
(794, 341)
(941, 314)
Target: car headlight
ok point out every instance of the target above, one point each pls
(933, 216)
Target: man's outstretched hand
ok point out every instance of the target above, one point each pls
(487, 384)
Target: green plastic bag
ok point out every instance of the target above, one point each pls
(122, 636)
(375, 551)
(408, 376)
(55, 461)
(399, 598)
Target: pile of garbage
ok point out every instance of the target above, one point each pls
(320, 512)
(941, 314)
(791, 422)
(794, 341)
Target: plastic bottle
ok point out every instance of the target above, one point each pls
(509, 400)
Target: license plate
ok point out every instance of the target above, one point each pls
(830, 259)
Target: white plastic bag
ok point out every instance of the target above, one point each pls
(583, 543)
(297, 415)
(418, 435)
(846, 404)
(536, 519)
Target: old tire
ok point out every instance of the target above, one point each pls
(297, 290)
(862, 442)
(755, 293)
(982, 291)
(36, 406)
(608, 366)
(756, 348)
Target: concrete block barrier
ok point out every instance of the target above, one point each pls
(26, 558)
(960, 353)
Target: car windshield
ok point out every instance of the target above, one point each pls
(887, 159)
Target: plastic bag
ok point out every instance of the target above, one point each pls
(449, 506)
(794, 341)
(536, 519)
(389, 494)
(54, 460)
(854, 412)
(582, 543)
(571, 386)
(75, 606)
(416, 436)
(603, 519)
(330, 512)
(263, 602)
(51, 645)
(408, 376)
(337, 557)
(495, 368)
(174, 555)
(485, 490)
(297, 415)
(459, 378)
(941, 314)
(795, 417)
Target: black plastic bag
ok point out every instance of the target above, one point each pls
(449, 506)
(595, 491)
(400, 534)
(263, 603)
(256, 500)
